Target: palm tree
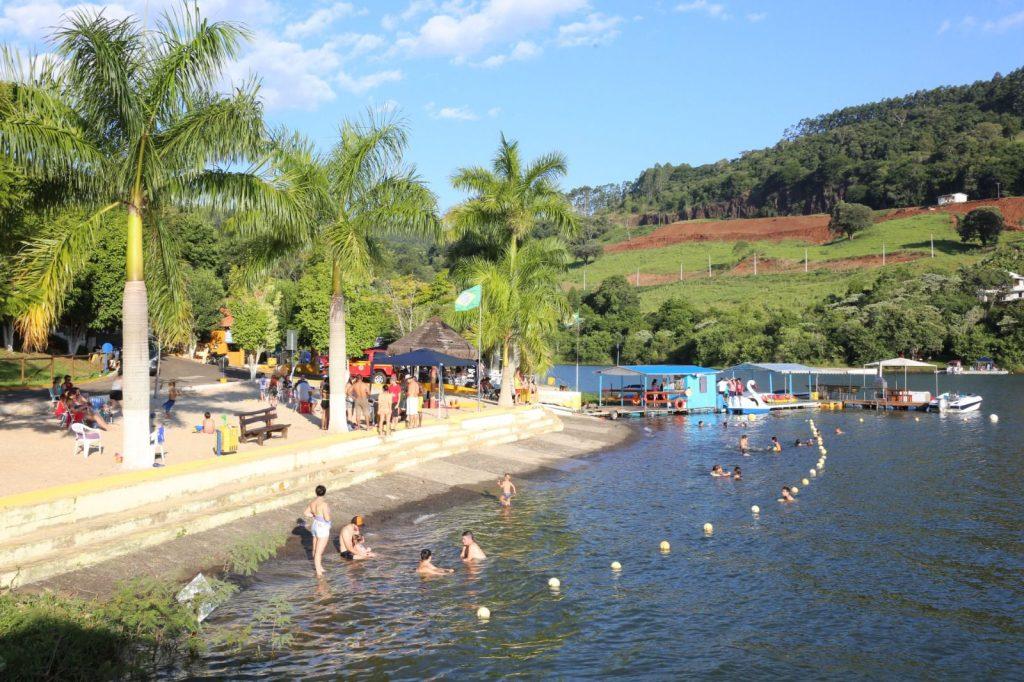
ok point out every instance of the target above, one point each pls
(521, 312)
(360, 192)
(129, 119)
(508, 202)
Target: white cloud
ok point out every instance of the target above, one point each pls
(451, 113)
(493, 112)
(358, 44)
(38, 19)
(360, 84)
(494, 22)
(320, 20)
(944, 26)
(1006, 23)
(597, 29)
(712, 9)
(523, 50)
(754, 17)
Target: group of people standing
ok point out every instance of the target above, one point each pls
(392, 400)
(351, 544)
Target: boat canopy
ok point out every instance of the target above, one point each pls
(900, 362)
(654, 370)
(776, 367)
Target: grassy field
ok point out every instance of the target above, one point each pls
(37, 369)
(904, 235)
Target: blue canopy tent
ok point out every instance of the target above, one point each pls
(696, 383)
(424, 357)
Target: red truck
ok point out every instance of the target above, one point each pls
(367, 366)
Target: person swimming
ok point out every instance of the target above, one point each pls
(427, 567)
(717, 471)
(839, 431)
(737, 475)
(470, 550)
(744, 444)
(787, 496)
(776, 445)
(700, 423)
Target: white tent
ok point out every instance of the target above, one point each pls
(900, 362)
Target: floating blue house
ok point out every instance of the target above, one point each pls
(658, 388)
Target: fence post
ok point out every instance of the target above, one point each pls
(51, 369)
(23, 369)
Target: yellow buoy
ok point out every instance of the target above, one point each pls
(805, 482)
(483, 613)
(665, 546)
(616, 566)
(554, 583)
(708, 529)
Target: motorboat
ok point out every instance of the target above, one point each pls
(955, 402)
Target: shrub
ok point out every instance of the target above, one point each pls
(849, 219)
(984, 224)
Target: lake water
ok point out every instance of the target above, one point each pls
(903, 559)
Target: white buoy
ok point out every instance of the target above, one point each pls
(483, 613)
(917, 419)
(554, 583)
(708, 529)
(824, 452)
(805, 482)
(755, 509)
(665, 546)
(812, 473)
(861, 420)
(821, 465)
(993, 418)
(793, 489)
(616, 566)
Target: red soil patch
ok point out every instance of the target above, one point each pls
(773, 266)
(808, 228)
(1012, 209)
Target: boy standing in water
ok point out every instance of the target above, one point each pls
(320, 529)
(744, 444)
(508, 490)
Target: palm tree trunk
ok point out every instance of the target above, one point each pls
(337, 356)
(135, 352)
(507, 378)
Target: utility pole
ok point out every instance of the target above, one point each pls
(998, 195)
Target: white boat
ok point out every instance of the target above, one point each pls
(955, 402)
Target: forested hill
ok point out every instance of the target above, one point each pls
(897, 152)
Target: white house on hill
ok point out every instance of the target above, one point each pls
(1015, 292)
(955, 198)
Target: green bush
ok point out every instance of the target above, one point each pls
(245, 557)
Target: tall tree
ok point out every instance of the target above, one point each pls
(360, 193)
(129, 119)
(507, 203)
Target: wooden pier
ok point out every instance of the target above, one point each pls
(880, 404)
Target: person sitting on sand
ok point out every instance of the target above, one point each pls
(347, 540)
(737, 475)
(744, 444)
(787, 496)
(470, 550)
(508, 490)
(776, 445)
(717, 471)
(427, 567)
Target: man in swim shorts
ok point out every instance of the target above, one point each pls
(361, 410)
(320, 529)
(470, 550)
(347, 540)
(412, 403)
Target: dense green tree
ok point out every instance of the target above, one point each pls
(255, 328)
(983, 224)
(849, 219)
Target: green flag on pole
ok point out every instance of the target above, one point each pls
(468, 299)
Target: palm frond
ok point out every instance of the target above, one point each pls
(46, 268)
(170, 309)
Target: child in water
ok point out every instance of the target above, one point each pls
(361, 549)
(786, 495)
(737, 475)
(776, 445)
(508, 490)
(427, 567)
(744, 444)
(717, 471)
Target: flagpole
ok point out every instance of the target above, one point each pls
(577, 351)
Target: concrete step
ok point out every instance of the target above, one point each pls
(46, 551)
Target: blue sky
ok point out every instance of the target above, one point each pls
(616, 86)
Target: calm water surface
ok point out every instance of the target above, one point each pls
(904, 559)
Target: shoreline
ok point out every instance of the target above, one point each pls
(419, 489)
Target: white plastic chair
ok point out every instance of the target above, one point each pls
(86, 439)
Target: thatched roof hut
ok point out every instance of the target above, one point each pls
(435, 335)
